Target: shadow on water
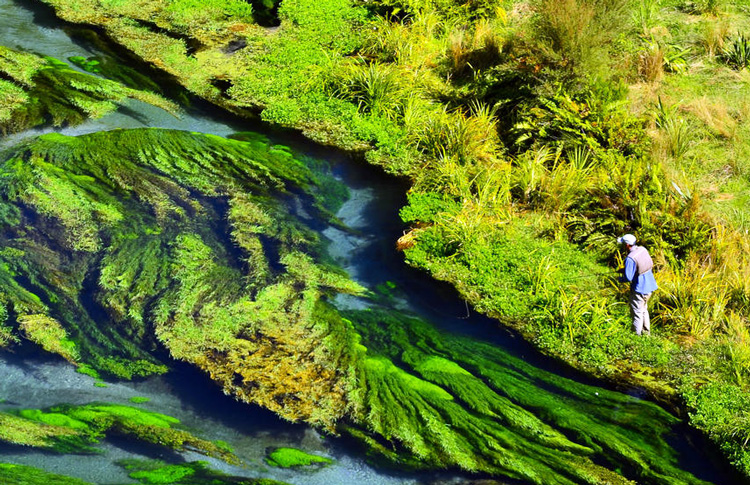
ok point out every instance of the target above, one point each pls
(44, 15)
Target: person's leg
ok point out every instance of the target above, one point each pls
(646, 316)
(636, 311)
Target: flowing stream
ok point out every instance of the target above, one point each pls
(28, 379)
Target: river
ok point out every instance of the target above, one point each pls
(28, 379)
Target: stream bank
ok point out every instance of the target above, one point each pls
(356, 253)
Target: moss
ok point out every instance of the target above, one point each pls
(139, 399)
(293, 458)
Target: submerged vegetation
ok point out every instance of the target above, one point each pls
(77, 429)
(190, 473)
(33, 476)
(292, 457)
(534, 133)
(201, 244)
(38, 90)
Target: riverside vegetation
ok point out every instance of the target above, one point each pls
(533, 132)
(116, 243)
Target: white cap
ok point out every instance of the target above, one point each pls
(627, 239)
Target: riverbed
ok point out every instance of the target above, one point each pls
(365, 250)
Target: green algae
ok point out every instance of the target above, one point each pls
(26, 475)
(39, 90)
(146, 472)
(77, 429)
(294, 458)
(432, 400)
(133, 237)
(129, 238)
(154, 472)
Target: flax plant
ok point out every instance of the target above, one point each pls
(675, 137)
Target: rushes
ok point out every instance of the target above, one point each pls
(375, 88)
(644, 14)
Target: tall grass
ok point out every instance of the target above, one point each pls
(475, 49)
(703, 7)
(675, 135)
(737, 52)
(374, 87)
(651, 61)
(692, 301)
(714, 36)
(644, 14)
(457, 134)
(575, 33)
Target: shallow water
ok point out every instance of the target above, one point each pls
(29, 380)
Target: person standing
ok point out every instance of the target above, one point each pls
(639, 273)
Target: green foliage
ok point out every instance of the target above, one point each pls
(586, 118)
(139, 399)
(737, 52)
(427, 207)
(722, 411)
(700, 7)
(292, 458)
(575, 33)
(375, 88)
(189, 14)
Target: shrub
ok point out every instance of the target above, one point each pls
(703, 7)
(375, 88)
(737, 52)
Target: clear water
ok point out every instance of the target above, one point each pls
(34, 381)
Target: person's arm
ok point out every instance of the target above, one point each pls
(629, 272)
